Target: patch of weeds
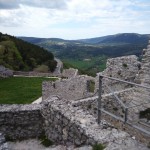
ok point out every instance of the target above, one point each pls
(91, 86)
(123, 110)
(125, 65)
(98, 147)
(115, 109)
(45, 141)
(89, 106)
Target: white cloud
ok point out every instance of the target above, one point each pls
(74, 18)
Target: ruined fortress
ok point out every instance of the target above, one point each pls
(68, 111)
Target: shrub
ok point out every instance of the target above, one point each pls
(42, 68)
(44, 141)
(98, 147)
(91, 86)
(125, 65)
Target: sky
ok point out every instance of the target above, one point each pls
(74, 19)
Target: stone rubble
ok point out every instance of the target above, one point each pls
(5, 72)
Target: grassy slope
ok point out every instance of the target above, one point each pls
(20, 90)
(96, 64)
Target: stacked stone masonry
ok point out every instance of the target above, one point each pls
(21, 121)
(67, 124)
(71, 89)
(70, 73)
(67, 73)
(124, 68)
(143, 76)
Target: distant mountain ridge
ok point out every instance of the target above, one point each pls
(124, 38)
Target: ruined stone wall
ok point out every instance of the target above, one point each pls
(71, 89)
(5, 72)
(35, 74)
(124, 68)
(67, 73)
(110, 104)
(67, 124)
(21, 121)
(143, 76)
(60, 125)
(70, 73)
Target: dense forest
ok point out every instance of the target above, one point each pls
(17, 54)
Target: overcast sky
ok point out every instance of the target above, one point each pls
(74, 19)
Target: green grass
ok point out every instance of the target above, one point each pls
(91, 67)
(21, 90)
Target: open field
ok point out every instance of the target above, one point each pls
(21, 90)
(90, 66)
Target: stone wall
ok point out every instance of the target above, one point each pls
(68, 124)
(70, 73)
(5, 72)
(110, 104)
(60, 125)
(143, 76)
(67, 73)
(21, 121)
(71, 89)
(35, 74)
(124, 68)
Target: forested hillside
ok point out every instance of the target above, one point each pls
(17, 54)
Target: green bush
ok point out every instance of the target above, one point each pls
(91, 86)
(98, 147)
(125, 65)
(42, 68)
(45, 141)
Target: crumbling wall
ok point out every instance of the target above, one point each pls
(21, 121)
(143, 76)
(70, 73)
(124, 68)
(5, 72)
(71, 89)
(66, 124)
(110, 104)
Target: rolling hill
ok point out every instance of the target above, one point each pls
(93, 52)
(17, 54)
